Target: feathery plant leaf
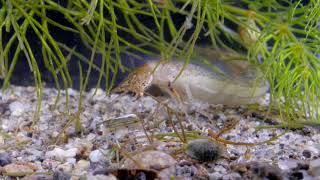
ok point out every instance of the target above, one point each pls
(282, 37)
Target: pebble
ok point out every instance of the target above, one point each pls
(260, 170)
(155, 160)
(150, 160)
(101, 177)
(96, 156)
(35, 154)
(306, 154)
(65, 167)
(220, 169)
(215, 176)
(17, 170)
(18, 108)
(71, 160)
(81, 167)
(302, 174)
(60, 175)
(296, 175)
(186, 170)
(4, 159)
(38, 177)
(317, 147)
(286, 165)
(314, 167)
(232, 176)
(60, 154)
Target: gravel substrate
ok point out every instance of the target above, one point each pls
(53, 149)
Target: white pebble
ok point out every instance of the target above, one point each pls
(18, 108)
(60, 154)
(71, 160)
(287, 164)
(96, 156)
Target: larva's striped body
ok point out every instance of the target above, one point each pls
(229, 82)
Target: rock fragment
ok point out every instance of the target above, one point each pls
(17, 170)
(4, 159)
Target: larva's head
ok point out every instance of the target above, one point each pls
(137, 81)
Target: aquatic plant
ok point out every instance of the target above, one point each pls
(280, 36)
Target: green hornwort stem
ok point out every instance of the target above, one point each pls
(33, 24)
(47, 57)
(95, 46)
(194, 36)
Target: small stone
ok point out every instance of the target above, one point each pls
(4, 159)
(82, 164)
(231, 176)
(215, 176)
(81, 167)
(96, 156)
(167, 173)
(303, 166)
(71, 160)
(60, 154)
(220, 169)
(101, 177)
(296, 175)
(306, 153)
(150, 160)
(261, 170)
(185, 170)
(317, 147)
(35, 155)
(38, 177)
(314, 167)
(204, 150)
(22, 137)
(90, 137)
(50, 163)
(286, 165)
(302, 174)
(66, 167)
(306, 131)
(18, 108)
(281, 145)
(60, 175)
(17, 170)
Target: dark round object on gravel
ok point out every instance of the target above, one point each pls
(204, 150)
(4, 159)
